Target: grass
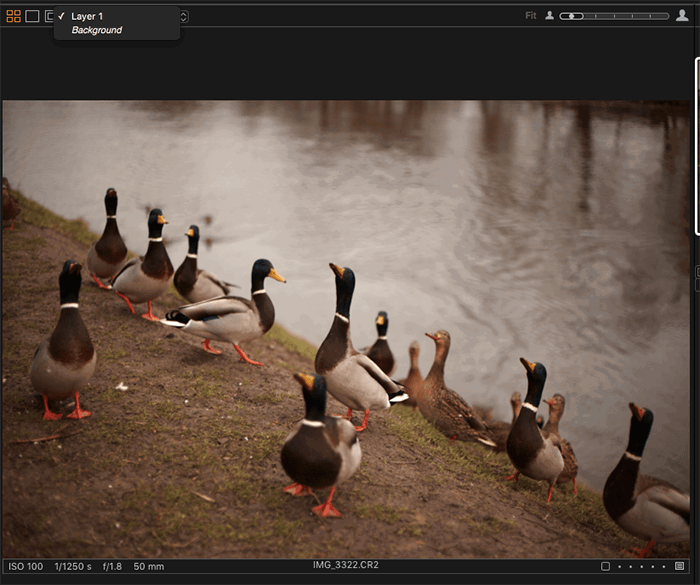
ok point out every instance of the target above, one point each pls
(286, 339)
(38, 215)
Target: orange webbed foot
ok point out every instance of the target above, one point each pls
(297, 490)
(209, 348)
(244, 357)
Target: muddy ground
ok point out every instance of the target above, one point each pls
(184, 462)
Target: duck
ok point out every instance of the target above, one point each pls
(107, 255)
(446, 409)
(228, 318)
(646, 507)
(413, 382)
(196, 284)
(557, 403)
(64, 362)
(10, 205)
(147, 277)
(321, 451)
(379, 352)
(534, 452)
(351, 377)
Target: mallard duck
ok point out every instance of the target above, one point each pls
(64, 362)
(145, 278)
(380, 353)
(646, 507)
(108, 254)
(413, 382)
(351, 377)
(446, 409)
(10, 206)
(196, 284)
(534, 452)
(556, 411)
(321, 451)
(232, 319)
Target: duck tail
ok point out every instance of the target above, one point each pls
(486, 441)
(175, 319)
(395, 397)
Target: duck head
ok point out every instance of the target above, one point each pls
(382, 323)
(556, 406)
(156, 221)
(640, 427)
(344, 287)
(536, 376)
(69, 281)
(313, 388)
(261, 270)
(192, 239)
(111, 201)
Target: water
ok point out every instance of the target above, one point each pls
(555, 232)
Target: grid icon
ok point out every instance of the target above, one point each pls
(13, 16)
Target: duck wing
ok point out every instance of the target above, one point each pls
(664, 494)
(375, 371)
(216, 308)
(136, 260)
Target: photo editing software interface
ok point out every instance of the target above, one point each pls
(529, 222)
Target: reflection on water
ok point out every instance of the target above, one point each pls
(556, 232)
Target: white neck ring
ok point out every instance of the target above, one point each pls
(191, 255)
(632, 457)
(155, 239)
(259, 292)
(342, 317)
(531, 407)
(69, 306)
(312, 423)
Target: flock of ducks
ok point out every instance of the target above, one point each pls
(322, 451)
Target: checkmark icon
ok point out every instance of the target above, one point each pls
(60, 16)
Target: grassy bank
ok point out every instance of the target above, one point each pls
(185, 461)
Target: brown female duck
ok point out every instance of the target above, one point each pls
(414, 380)
(556, 411)
(446, 409)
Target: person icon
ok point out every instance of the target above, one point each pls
(682, 17)
(550, 17)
